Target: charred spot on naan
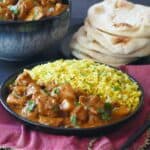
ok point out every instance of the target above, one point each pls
(121, 40)
(118, 25)
(123, 4)
(99, 10)
(125, 26)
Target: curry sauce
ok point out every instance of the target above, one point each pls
(60, 105)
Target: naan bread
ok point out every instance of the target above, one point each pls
(115, 32)
(81, 37)
(116, 44)
(120, 17)
(82, 40)
(102, 57)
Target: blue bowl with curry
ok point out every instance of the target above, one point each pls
(29, 27)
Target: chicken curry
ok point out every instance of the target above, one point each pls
(28, 10)
(60, 105)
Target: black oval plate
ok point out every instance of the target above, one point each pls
(60, 130)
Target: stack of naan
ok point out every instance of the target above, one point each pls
(115, 32)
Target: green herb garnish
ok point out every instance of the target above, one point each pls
(30, 105)
(56, 91)
(51, 9)
(14, 9)
(77, 103)
(106, 111)
(106, 116)
(116, 88)
(108, 107)
(73, 120)
(35, 14)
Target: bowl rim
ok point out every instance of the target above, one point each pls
(74, 131)
(40, 20)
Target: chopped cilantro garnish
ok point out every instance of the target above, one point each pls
(108, 107)
(51, 9)
(77, 103)
(14, 9)
(116, 88)
(35, 14)
(106, 116)
(56, 90)
(105, 112)
(73, 120)
(30, 105)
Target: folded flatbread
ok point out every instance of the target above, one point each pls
(116, 44)
(115, 32)
(120, 17)
(82, 40)
(102, 57)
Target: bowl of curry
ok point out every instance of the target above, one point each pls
(30, 27)
(78, 97)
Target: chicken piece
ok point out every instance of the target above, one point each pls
(15, 100)
(59, 8)
(81, 113)
(23, 79)
(66, 106)
(31, 115)
(93, 119)
(19, 90)
(47, 2)
(67, 92)
(7, 2)
(6, 14)
(85, 100)
(32, 89)
(93, 103)
(44, 2)
(47, 106)
(51, 121)
(49, 10)
(54, 1)
(67, 97)
(25, 7)
(35, 13)
(52, 7)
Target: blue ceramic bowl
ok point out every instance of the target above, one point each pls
(20, 40)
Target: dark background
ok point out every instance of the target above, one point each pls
(79, 11)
